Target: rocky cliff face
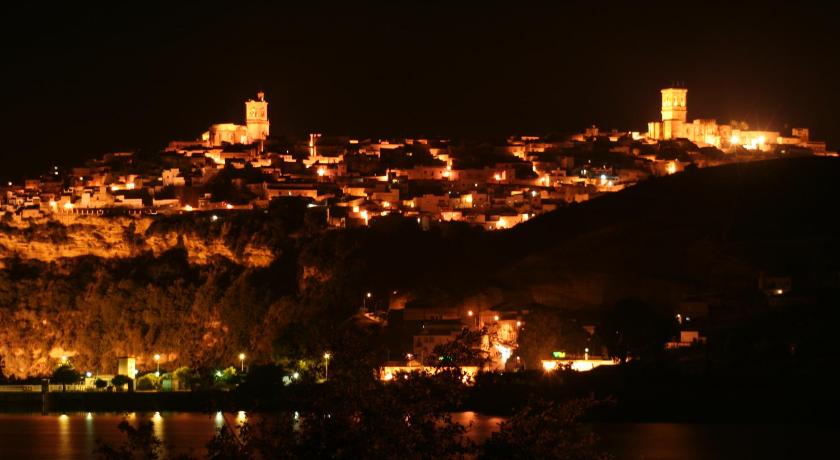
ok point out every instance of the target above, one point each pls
(52, 239)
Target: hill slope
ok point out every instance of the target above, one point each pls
(706, 231)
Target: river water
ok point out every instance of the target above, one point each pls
(73, 436)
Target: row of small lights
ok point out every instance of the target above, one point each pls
(89, 374)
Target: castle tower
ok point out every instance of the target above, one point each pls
(674, 112)
(256, 118)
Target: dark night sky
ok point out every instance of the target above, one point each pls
(81, 80)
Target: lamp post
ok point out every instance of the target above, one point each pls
(327, 366)
(242, 362)
(364, 300)
(157, 362)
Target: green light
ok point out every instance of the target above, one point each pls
(559, 354)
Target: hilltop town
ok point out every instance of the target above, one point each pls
(494, 185)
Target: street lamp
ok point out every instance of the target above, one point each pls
(242, 362)
(364, 300)
(157, 362)
(327, 356)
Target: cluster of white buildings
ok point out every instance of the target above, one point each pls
(495, 186)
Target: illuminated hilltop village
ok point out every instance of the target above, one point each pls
(104, 207)
(706, 132)
(239, 167)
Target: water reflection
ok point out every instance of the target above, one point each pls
(73, 436)
(90, 433)
(157, 427)
(64, 436)
(480, 426)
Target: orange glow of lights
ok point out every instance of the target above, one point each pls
(188, 208)
(734, 139)
(321, 172)
(386, 204)
(497, 177)
(672, 167)
(504, 352)
(470, 313)
(228, 206)
(68, 205)
(549, 366)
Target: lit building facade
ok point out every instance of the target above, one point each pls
(708, 133)
(255, 129)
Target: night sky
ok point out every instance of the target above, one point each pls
(81, 81)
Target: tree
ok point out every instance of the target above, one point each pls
(65, 374)
(463, 350)
(406, 419)
(545, 430)
(636, 328)
(119, 381)
(186, 377)
(140, 443)
(148, 382)
(100, 384)
(546, 332)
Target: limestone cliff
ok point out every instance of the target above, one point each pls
(68, 236)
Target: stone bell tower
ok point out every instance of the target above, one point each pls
(256, 118)
(674, 112)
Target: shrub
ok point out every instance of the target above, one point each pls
(119, 381)
(148, 382)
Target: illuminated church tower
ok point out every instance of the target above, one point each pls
(256, 118)
(674, 112)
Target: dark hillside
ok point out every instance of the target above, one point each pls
(708, 230)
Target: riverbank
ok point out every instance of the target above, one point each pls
(666, 403)
(184, 401)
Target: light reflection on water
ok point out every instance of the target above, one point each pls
(73, 436)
